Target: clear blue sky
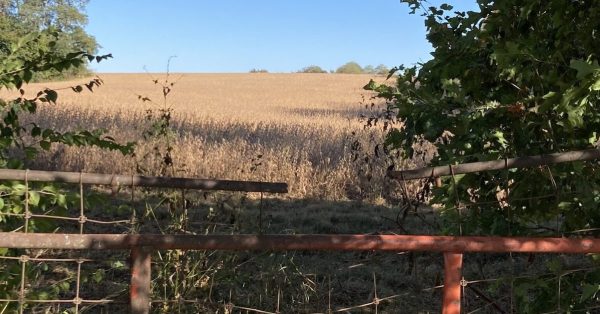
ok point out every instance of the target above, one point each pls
(238, 35)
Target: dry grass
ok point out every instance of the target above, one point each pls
(300, 124)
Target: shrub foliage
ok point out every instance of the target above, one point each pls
(20, 143)
(515, 78)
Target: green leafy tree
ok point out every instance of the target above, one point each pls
(350, 68)
(20, 142)
(369, 69)
(312, 69)
(381, 69)
(15, 72)
(378, 70)
(515, 78)
(20, 18)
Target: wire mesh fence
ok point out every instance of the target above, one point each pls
(109, 293)
(57, 280)
(185, 278)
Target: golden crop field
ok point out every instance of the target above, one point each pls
(295, 128)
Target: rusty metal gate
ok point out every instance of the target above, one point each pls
(141, 246)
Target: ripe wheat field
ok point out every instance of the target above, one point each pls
(294, 128)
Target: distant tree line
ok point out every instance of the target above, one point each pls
(256, 70)
(350, 68)
(312, 69)
(347, 68)
(64, 18)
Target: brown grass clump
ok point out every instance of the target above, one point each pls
(295, 128)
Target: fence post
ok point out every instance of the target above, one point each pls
(452, 282)
(140, 293)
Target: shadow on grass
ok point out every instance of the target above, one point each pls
(306, 281)
(299, 281)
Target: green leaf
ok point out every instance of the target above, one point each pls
(19, 189)
(61, 200)
(596, 85)
(27, 75)
(51, 95)
(30, 152)
(445, 6)
(564, 205)
(50, 189)
(584, 68)
(43, 295)
(499, 135)
(64, 286)
(593, 138)
(18, 82)
(17, 209)
(36, 131)
(371, 85)
(98, 275)
(118, 265)
(25, 39)
(549, 95)
(45, 145)
(34, 198)
(46, 133)
(589, 291)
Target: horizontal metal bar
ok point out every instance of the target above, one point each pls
(299, 242)
(102, 301)
(519, 162)
(134, 180)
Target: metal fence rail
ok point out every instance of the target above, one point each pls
(457, 244)
(142, 245)
(139, 298)
(134, 180)
(519, 162)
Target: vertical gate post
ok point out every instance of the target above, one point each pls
(452, 282)
(139, 292)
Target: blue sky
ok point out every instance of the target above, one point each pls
(238, 35)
